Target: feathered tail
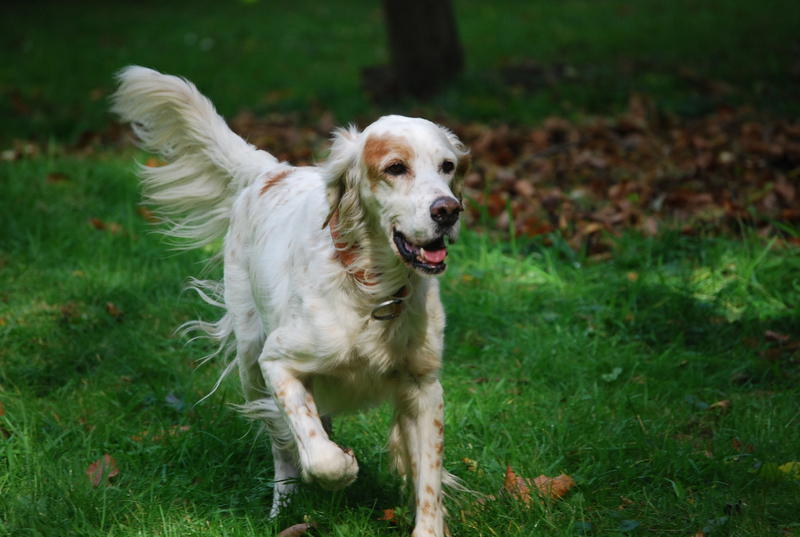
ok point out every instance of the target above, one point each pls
(207, 163)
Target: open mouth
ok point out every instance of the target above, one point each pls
(427, 257)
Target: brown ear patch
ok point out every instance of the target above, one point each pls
(377, 149)
(273, 179)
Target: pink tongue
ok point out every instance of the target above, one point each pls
(435, 256)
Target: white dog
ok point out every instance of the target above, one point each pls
(326, 274)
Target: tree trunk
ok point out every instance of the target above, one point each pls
(423, 44)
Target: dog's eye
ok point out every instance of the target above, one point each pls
(398, 168)
(448, 166)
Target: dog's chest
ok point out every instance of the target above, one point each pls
(382, 354)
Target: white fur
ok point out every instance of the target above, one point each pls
(306, 344)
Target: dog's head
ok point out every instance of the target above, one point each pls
(401, 178)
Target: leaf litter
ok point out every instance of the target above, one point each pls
(102, 471)
(586, 180)
(523, 488)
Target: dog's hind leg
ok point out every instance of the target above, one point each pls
(287, 476)
(260, 404)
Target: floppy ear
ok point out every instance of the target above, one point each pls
(343, 157)
(463, 164)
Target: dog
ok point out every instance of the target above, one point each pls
(328, 293)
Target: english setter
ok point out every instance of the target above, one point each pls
(327, 289)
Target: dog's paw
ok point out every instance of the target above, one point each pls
(331, 466)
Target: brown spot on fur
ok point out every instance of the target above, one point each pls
(429, 489)
(436, 465)
(282, 394)
(439, 448)
(312, 433)
(438, 424)
(378, 148)
(273, 180)
(426, 508)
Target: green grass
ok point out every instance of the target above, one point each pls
(603, 370)
(57, 58)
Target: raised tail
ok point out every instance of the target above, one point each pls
(207, 163)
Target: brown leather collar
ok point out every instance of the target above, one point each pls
(386, 310)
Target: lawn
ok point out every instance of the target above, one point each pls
(661, 374)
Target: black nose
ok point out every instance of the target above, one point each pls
(444, 210)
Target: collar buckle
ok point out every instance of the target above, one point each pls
(388, 310)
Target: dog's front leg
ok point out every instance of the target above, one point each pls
(420, 423)
(320, 458)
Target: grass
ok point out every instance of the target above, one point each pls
(602, 369)
(689, 56)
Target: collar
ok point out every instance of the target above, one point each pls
(386, 310)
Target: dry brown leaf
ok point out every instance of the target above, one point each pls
(553, 487)
(546, 487)
(388, 515)
(725, 404)
(101, 471)
(2, 409)
(114, 311)
(297, 529)
(771, 335)
(146, 213)
(57, 177)
(517, 486)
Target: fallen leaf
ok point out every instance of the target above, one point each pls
(776, 336)
(546, 487)
(297, 529)
(114, 311)
(725, 404)
(100, 225)
(146, 213)
(472, 465)
(517, 486)
(2, 409)
(388, 515)
(553, 487)
(57, 177)
(102, 471)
